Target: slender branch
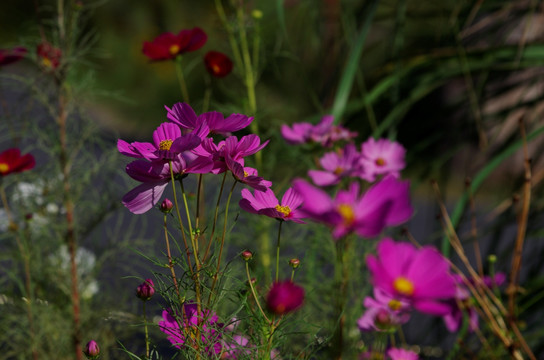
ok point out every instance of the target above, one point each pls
(181, 79)
(278, 251)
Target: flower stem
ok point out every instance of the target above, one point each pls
(255, 294)
(146, 334)
(278, 251)
(215, 217)
(170, 263)
(181, 79)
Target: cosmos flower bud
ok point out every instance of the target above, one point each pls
(166, 206)
(247, 255)
(92, 351)
(284, 297)
(145, 290)
(295, 263)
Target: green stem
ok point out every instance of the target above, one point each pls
(181, 79)
(278, 252)
(222, 242)
(187, 250)
(255, 294)
(170, 263)
(215, 217)
(146, 334)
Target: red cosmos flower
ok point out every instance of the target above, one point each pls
(218, 64)
(284, 297)
(49, 55)
(11, 161)
(167, 46)
(8, 56)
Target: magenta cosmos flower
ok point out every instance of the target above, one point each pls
(324, 133)
(11, 161)
(381, 157)
(167, 143)
(155, 176)
(284, 297)
(420, 277)
(247, 175)
(336, 166)
(9, 56)
(183, 115)
(167, 45)
(386, 203)
(383, 312)
(217, 63)
(181, 329)
(266, 203)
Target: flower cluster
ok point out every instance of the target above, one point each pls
(183, 146)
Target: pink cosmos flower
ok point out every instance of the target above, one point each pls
(402, 354)
(11, 162)
(336, 166)
(155, 176)
(386, 203)
(9, 56)
(181, 329)
(233, 148)
(381, 157)
(266, 203)
(167, 143)
(284, 297)
(247, 175)
(421, 277)
(324, 133)
(383, 312)
(167, 45)
(183, 115)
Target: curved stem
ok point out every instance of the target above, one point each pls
(255, 294)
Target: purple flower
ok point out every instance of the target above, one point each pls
(266, 203)
(284, 297)
(238, 348)
(383, 312)
(145, 290)
(91, 351)
(386, 203)
(9, 56)
(181, 329)
(324, 133)
(402, 354)
(156, 175)
(337, 165)
(421, 277)
(183, 115)
(381, 157)
(167, 143)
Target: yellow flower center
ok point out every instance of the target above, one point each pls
(394, 305)
(165, 144)
(246, 174)
(403, 286)
(346, 211)
(285, 210)
(338, 171)
(380, 162)
(4, 168)
(46, 62)
(174, 49)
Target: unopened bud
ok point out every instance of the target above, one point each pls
(247, 255)
(492, 258)
(257, 14)
(145, 290)
(92, 351)
(166, 206)
(29, 216)
(294, 263)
